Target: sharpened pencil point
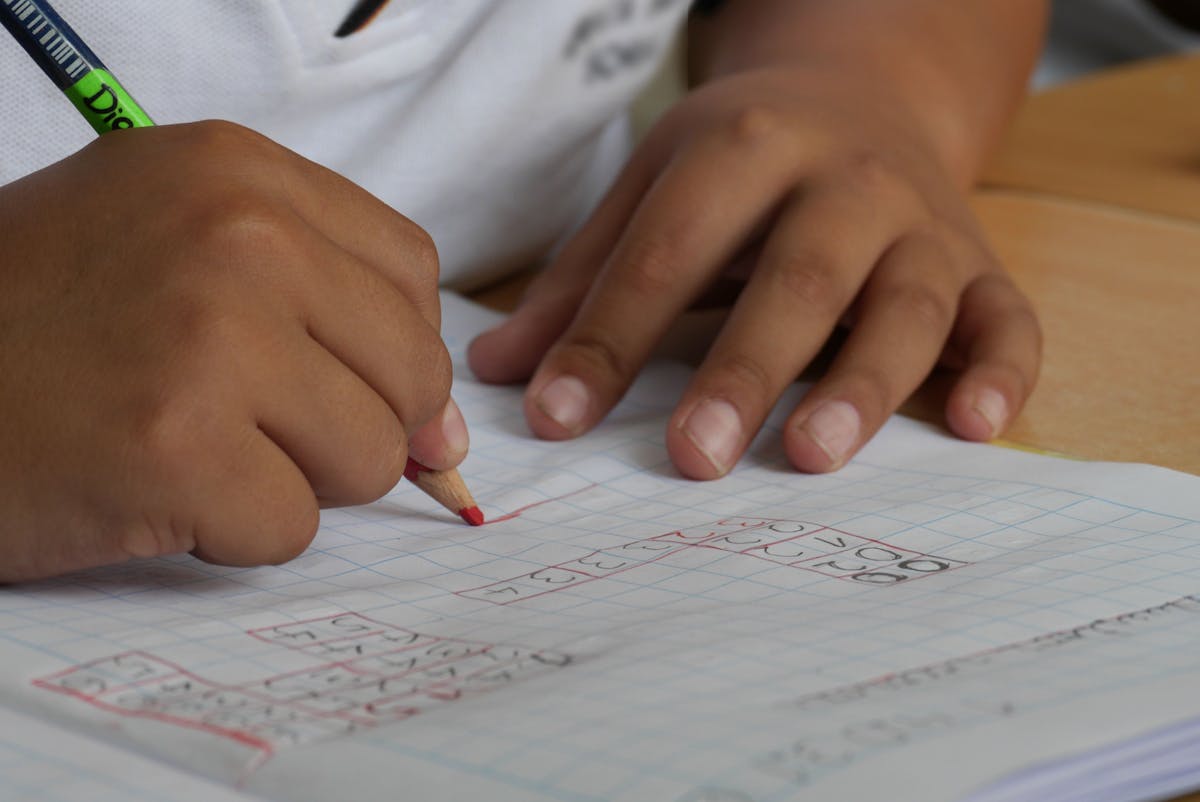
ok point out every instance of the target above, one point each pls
(471, 515)
(446, 488)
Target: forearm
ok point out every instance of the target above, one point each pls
(960, 67)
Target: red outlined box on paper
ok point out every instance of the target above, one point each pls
(527, 586)
(327, 629)
(99, 677)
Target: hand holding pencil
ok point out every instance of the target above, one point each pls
(197, 360)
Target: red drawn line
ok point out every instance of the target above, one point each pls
(517, 513)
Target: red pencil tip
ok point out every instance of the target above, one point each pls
(471, 515)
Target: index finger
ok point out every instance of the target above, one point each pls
(693, 221)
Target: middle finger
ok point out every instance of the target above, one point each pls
(695, 218)
(820, 251)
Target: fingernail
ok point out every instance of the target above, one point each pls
(454, 429)
(993, 408)
(834, 427)
(715, 429)
(565, 401)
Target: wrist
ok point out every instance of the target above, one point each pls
(958, 69)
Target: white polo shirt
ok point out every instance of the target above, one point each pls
(494, 124)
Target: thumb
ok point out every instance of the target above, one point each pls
(442, 442)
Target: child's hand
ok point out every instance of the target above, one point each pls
(844, 208)
(203, 337)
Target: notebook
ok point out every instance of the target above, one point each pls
(939, 620)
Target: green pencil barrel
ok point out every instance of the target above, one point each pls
(106, 104)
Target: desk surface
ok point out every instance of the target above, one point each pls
(1105, 241)
(1128, 137)
(1119, 299)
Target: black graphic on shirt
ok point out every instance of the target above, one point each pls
(616, 37)
(361, 15)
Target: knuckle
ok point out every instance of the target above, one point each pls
(754, 124)
(1018, 313)
(1000, 285)
(170, 420)
(957, 243)
(440, 375)
(598, 355)
(418, 284)
(868, 173)
(164, 437)
(923, 304)
(422, 253)
(874, 391)
(379, 466)
(965, 231)
(427, 396)
(810, 279)
(234, 226)
(208, 341)
(219, 137)
(650, 267)
(747, 372)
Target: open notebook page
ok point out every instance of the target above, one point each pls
(39, 761)
(918, 625)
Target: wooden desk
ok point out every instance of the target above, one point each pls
(1128, 137)
(1119, 299)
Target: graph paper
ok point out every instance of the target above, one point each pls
(931, 618)
(44, 762)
